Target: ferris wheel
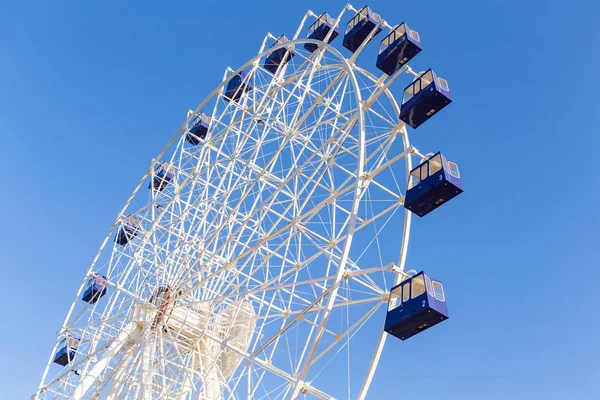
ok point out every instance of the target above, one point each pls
(263, 253)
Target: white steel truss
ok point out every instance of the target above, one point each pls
(276, 242)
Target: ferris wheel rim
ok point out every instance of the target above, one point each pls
(350, 69)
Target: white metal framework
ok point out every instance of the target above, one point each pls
(259, 267)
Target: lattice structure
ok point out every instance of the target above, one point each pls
(269, 248)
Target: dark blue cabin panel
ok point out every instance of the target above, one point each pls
(432, 183)
(197, 129)
(423, 98)
(414, 307)
(319, 30)
(63, 356)
(359, 28)
(128, 230)
(237, 86)
(163, 175)
(398, 48)
(95, 289)
(67, 349)
(278, 57)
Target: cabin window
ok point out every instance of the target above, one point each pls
(399, 31)
(418, 286)
(130, 221)
(395, 298)
(417, 86)
(414, 35)
(353, 23)
(426, 78)
(438, 291)
(428, 285)
(435, 164)
(445, 164)
(413, 181)
(424, 171)
(323, 19)
(414, 89)
(168, 167)
(442, 83)
(408, 94)
(70, 342)
(391, 38)
(100, 280)
(453, 169)
(406, 292)
(385, 43)
(410, 91)
(414, 178)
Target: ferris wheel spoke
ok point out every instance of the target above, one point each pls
(115, 379)
(130, 387)
(346, 333)
(254, 213)
(65, 377)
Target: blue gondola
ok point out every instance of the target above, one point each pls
(237, 86)
(129, 229)
(319, 29)
(197, 129)
(66, 350)
(278, 57)
(359, 27)
(96, 288)
(398, 48)
(427, 95)
(163, 174)
(433, 183)
(416, 304)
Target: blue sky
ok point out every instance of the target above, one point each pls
(89, 93)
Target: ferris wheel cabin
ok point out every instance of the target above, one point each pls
(237, 86)
(398, 48)
(163, 174)
(319, 30)
(416, 304)
(427, 95)
(197, 129)
(129, 229)
(278, 57)
(359, 27)
(96, 288)
(66, 350)
(432, 183)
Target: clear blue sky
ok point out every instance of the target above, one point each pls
(90, 93)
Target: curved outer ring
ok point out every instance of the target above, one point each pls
(356, 201)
